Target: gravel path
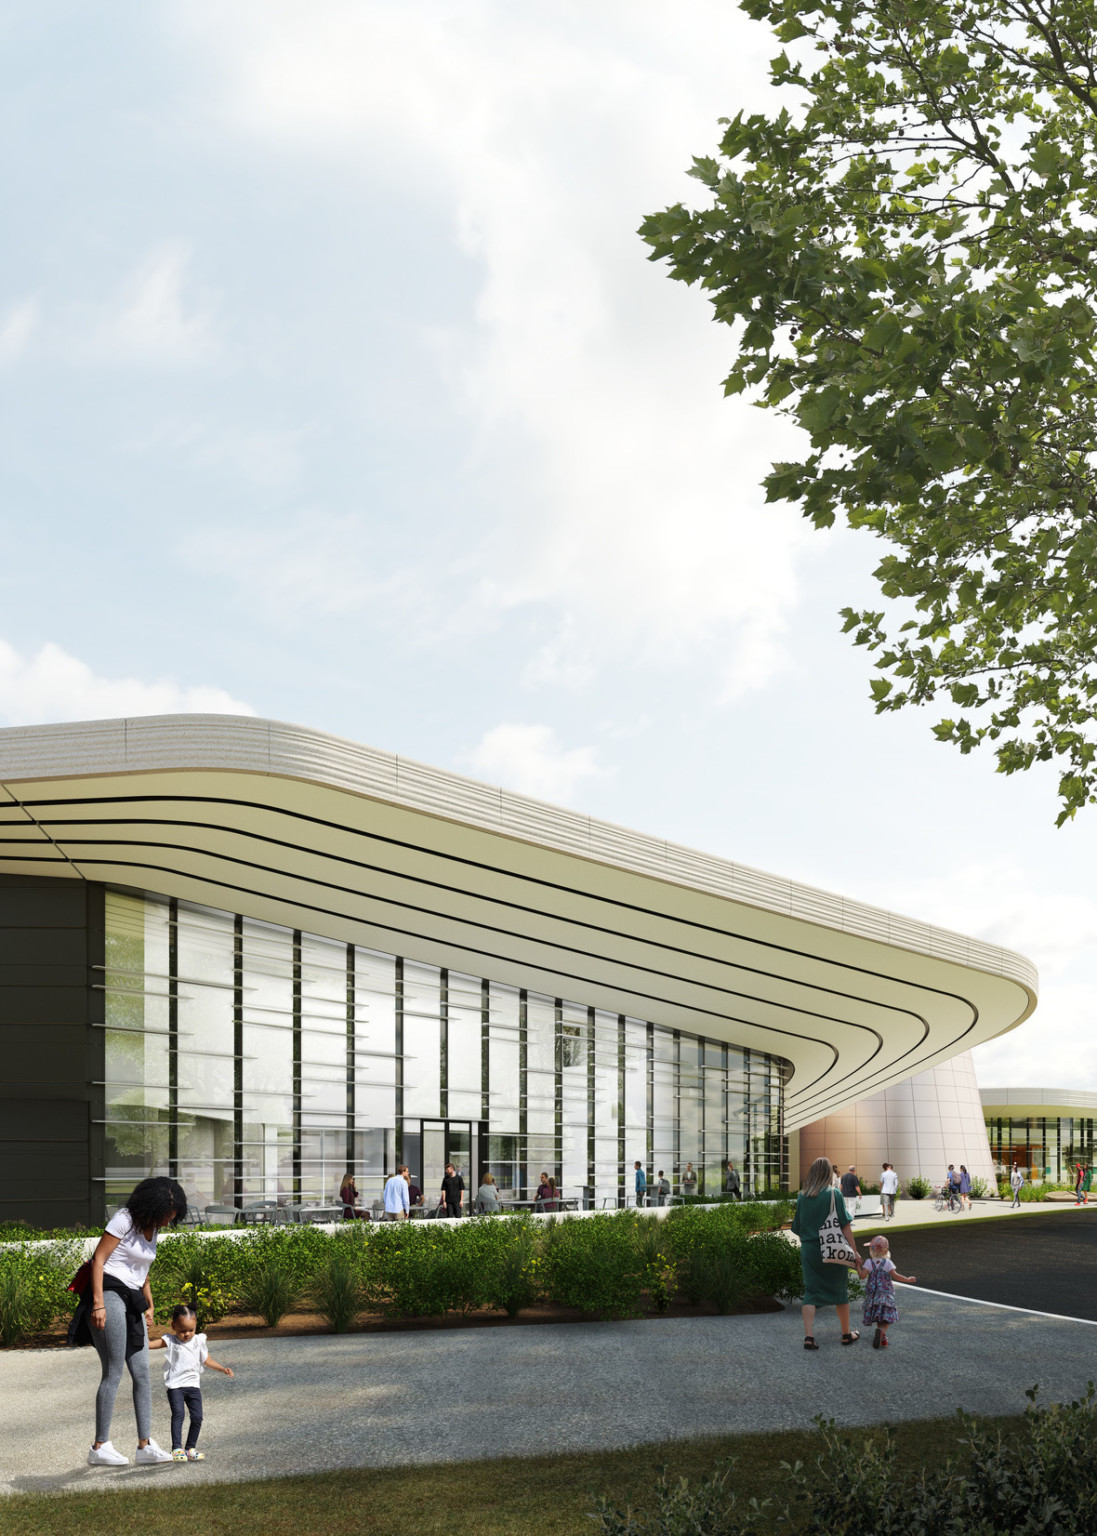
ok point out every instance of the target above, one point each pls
(305, 1405)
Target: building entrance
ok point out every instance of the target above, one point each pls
(430, 1144)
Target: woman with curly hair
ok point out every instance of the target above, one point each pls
(116, 1309)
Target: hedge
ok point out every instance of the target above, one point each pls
(604, 1265)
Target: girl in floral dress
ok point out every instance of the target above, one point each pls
(878, 1273)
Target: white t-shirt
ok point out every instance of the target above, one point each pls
(889, 1184)
(1016, 1179)
(882, 1264)
(184, 1362)
(131, 1260)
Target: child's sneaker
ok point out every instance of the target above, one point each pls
(106, 1456)
(179, 1454)
(194, 1455)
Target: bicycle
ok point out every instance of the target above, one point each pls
(947, 1198)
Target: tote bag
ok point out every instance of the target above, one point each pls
(832, 1240)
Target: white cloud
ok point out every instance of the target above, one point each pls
(52, 686)
(530, 760)
(16, 330)
(154, 318)
(625, 487)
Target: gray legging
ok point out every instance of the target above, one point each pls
(110, 1341)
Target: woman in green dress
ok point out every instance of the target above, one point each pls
(825, 1285)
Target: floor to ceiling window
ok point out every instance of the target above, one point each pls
(257, 1062)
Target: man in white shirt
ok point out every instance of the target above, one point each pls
(889, 1188)
(1016, 1183)
(397, 1201)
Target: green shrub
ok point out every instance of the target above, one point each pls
(980, 1189)
(510, 1280)
(1032, 1193)
(918, 1188)
(775, 1268)
(1044, 1480)
(203, 1272)
(336, 1289)
(593, 1264)
(660, 1270)
(34, 1287)
(269, 1288)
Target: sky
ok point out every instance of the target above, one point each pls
(337, 388)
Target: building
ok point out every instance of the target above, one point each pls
(1045, 1131)
(919, 1126)
(253, 955)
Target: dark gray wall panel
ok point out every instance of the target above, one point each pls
(51, 1055)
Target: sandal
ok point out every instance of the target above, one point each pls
(850, 1338)
(809, 1341)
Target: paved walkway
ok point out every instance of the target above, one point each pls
(306, 1405)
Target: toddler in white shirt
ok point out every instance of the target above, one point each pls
(188, 1355)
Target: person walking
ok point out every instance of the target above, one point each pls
(662, 1189)
(1079, 1176)
(188, 1356)
(1016, 1182)
(965, 1189)
(732, 1185)
(851, 1188)
(689, 1181)
(453, 1191)
(889, 1188)
(397, 1200)
(115, 1311)
(825, 1285)
(878, 1271)
(641, 1185)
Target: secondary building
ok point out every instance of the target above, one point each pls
(255, 956)
(1045, 1131)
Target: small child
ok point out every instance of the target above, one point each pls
(188, 1355)
(877, 1273)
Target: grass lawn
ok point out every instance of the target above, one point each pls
(534, 1496)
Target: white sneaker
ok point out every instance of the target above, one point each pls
(151, 1452)
(107, 1456)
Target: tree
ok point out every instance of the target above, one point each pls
(908, 252)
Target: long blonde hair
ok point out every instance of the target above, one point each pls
(819, 1176)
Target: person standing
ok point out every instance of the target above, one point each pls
(965, 1188)
(397, 1202)
(641, 1185)
(732, 1185)
(825, 1285)
(453, 1191)
(115, 1311)
(1016, 1182)
(889, 1188)
(662, 1188)
(544, 1193)
(415, 1194)
(689, 1181)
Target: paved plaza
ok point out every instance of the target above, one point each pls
(311, 1404)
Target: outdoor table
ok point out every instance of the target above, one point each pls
(315, 1213)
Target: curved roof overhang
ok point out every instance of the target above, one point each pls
(303, 829)
(1038, 1103)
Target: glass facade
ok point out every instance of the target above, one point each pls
(256, 1062)
(1043, 1147)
